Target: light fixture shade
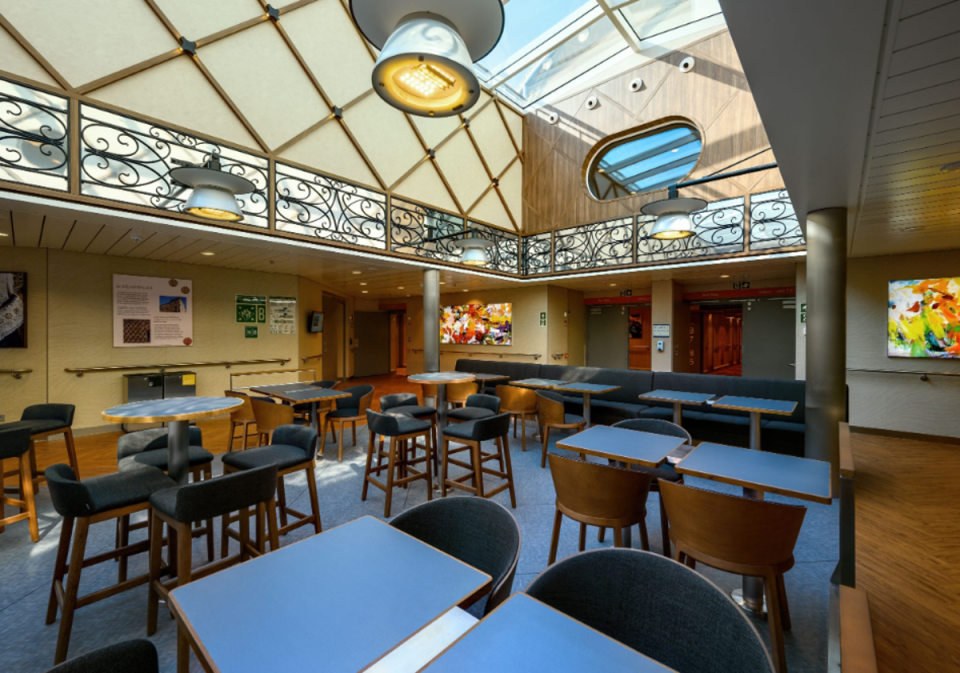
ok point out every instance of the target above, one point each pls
(214, 192)
(475, 251)
(425, 68)
(673, 217)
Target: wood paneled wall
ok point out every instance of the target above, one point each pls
(714, 95)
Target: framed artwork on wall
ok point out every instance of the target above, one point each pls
(13, 309)
(475, 324)
(923, 318)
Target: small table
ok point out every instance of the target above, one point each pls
(440, 380)
(586, 389)
(281, 387)
(310, 395)
(538, 383)
(758, 472)
(677, 399)
(177, 412)
(489, 378)
(320, 603)
(756, 406)
(525, 635)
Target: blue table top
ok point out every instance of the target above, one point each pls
(172, 409)
(281, 387)
(629, 446)
(676, 396)
(589, 388)
(442, 377)
(336, 602)
(780, 407)
(538, 383)
(524, 635)
(801, 478)
(309, 394)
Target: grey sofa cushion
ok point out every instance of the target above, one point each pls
(783, 437)
(774, 389)
(515, 370)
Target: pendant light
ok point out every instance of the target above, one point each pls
(214, 195)
(427, 50)
(475, 251)
(673, 216)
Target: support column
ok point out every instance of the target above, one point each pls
(664, 297)
(826, 404)
(431, 320)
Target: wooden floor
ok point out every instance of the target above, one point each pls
(908, 550)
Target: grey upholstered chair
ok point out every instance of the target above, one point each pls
(182, 506)
(481, 533)
(349, 410)
(657, 426)
(294, 448)
(471, 435)
(407, 404)
(46, 420)
(658, 607)
(129, 656)
(401, 429)
(476, 407)
(82, 504)
(15, 443)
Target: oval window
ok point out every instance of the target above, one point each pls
(644, 162)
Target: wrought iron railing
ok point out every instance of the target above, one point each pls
(537, 254)
(505, 253)
(413, 226)
(594, 245)
(34, 137)
(773, 222)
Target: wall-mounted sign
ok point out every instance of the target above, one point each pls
(626, 293)
(251, 309)
(251, 332)
(803, 313)
(742, 285)
(661, 331)
(283, 315)
(543, 318)
(152, 311)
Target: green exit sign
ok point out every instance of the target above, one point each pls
(251, 332)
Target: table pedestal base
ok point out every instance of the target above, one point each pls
(748, 606)
(178, 451)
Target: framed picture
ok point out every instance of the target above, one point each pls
(474, 324)
(13, 309)
(923, 318)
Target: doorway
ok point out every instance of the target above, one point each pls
(607, 337)
(721, 340)
(398, 342)
(334, 334)
(640, 355)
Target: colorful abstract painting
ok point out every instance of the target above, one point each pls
(923, 318)
(486, 324)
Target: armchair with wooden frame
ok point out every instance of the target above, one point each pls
(550, 414)
(519, 403)
(241, 417)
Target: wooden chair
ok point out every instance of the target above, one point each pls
(180, 507)
(269, 416)
(45, 420)
(241, 417)
(519, 403)
(15, 443)
(473, 434)
(138, 655)
(738, 535)
(598, 495)
(428, 391)
(457, 393)
(401, 430)
(550, 414)
(82, 504)
(349, 410)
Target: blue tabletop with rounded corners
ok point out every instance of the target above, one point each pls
(629, 446)
(334, 602)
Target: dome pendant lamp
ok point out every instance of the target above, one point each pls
(673, 216)
(427, 50)
(475, 251)
(213, 195)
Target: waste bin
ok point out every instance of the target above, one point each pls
(142, 387)
(180, 384)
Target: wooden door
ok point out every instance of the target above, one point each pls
(640, 354)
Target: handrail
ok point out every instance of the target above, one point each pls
(233, 376)
(16, 373)
(80, 371)
(311, 357)
(923, 375)
(470, 354)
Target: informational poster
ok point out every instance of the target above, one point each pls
(251, 309)
(283, 315)
(152, 311)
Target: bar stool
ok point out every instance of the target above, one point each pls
(241, 417)
(149, 448)
(46, 420)
(406, 404)
(81, 504)
(269, 416)
(519, 403)
(475, 407)
(400, 429)
(15, 443)
(473, 434)
(129, 655)
(182, 506)
(550, 414)
(742, 536)
(349, 410)
(294, 448)
(457, 393)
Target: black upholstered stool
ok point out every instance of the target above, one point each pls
(472, 434)
(139, 656)
(182, 506)
(82, 503)
(476, 407)
(294, 448)
(348, 410)
(406, 404)
(15, 443)
(46, 420)
(149, 447)
(400, 429)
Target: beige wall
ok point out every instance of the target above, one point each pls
(801, 339)
(16, 394)
(665, 295)
(557, 303)
(310, 295)
(576, 329)
(896, 402)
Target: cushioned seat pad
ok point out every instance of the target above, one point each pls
(112, 491)
(157, 458)
(469, 413)
(281, 455)
(571, 419)
(415, 410)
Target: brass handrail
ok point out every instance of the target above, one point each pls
(16, 373)
(80, 371)
(470, 354)
(233, 376)
(923, 375)
(311, 357)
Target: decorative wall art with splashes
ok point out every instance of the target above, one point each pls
(923, 318)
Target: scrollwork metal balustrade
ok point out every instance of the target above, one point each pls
(413, 225)
(505, 253)
(332, 210)
(594, 245)
(537, 254)
(718, 230)
(773, 222)
(125, 159)
(34, 136)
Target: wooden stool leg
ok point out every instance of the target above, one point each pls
(644, 538)
(601, 534)
(123, 534)
(523, 433)
(233, 432)
(477, 461)
(72, 452)
(784, 608)
(155, 526)
(70, 592)
(391, 466)
(59, 567)
(617, 536)
(544, 437)
(371, 443)
(505, 449)
(444, 468)
(184, 554)
(555, 539)
(27, 486)
(315, 500)
(436, 448)
(380, 452)
(272, 524)
(354, 424)
(224, 537)
(776, 625)
(282, 500)
(207, 475)
(244, 534)
(664, 527)
(183, 651)
(340, 445)
(428, 444)
(583, 537)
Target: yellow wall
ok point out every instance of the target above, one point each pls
(76, 290)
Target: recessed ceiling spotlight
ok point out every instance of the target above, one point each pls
(465, 290)
(954, 166)
(724, 275)
(3, 234)
(400, 287)
(363, 283)
(613, 284)
(207, 253)
(364, 291)
(441, 282)
(357, 273)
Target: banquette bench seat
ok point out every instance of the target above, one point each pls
(778, 434)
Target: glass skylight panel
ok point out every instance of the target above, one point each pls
(654, 17)
(648, 161)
